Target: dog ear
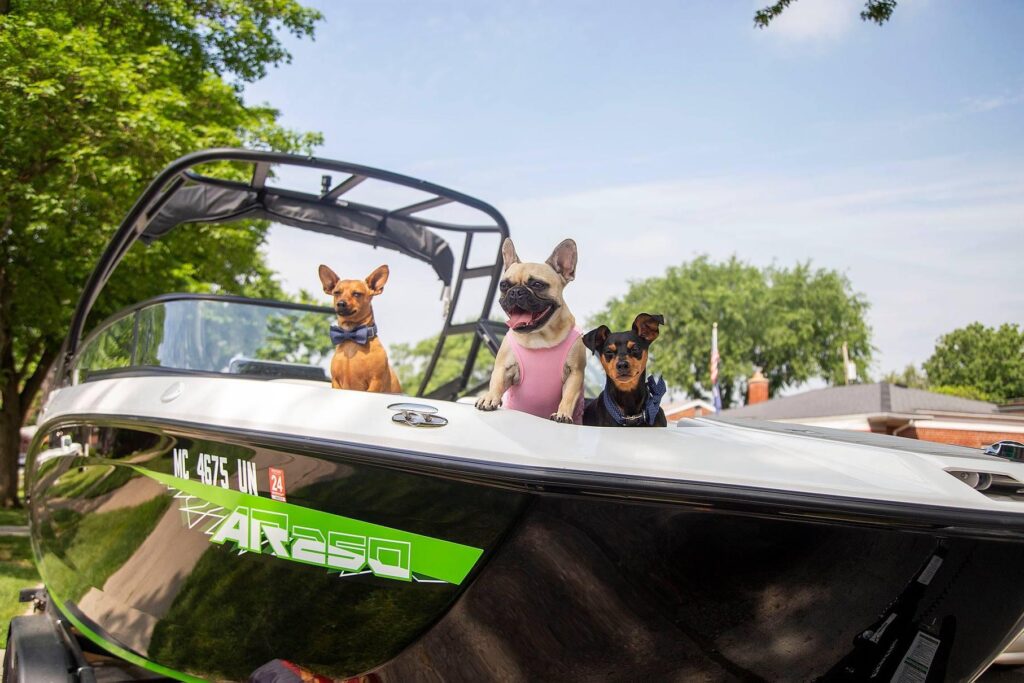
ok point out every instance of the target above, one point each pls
(328, 278)
(508, 253)
(594, 340)
(646, 326)
(375, 280)
(563, 260)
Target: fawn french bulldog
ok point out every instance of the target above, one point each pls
(539, 366)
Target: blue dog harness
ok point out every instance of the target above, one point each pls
(360, 335)
(656, 390)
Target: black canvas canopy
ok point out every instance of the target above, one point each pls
(219, 202)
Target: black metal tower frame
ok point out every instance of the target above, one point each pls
(181, 172)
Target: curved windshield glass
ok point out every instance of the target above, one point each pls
(213, 335)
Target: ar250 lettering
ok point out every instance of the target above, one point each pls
(251, 530)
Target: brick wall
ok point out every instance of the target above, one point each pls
(695, 411)
(960, 437)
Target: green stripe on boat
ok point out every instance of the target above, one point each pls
(298, 534)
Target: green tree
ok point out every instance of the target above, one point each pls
(911, 378)
(298, 337)
(95, 98)
(878, 11)
(410, 362)
(914, 378)
(789, 321)
(980, 362)
(973, 393)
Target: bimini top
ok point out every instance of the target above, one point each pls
(190, 191)
(210, 200)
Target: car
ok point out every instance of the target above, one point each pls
(27, 432)
(1011, 450)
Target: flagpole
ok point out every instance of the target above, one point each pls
(716, 393)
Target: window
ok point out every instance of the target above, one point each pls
(213, 334)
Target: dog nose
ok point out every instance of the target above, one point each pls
(519, 293)
(622, 365)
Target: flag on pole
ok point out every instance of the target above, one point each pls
(715, 391)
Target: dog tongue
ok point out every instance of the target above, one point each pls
(519, 319)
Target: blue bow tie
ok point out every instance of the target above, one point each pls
(656, 389)
(360, 335)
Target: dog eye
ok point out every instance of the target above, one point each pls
(537, 284)
(357, 295)
(608, 355)
(505, 284)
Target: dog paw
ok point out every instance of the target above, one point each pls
(486, 402)
(562, 418)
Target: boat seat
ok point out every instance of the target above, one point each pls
(272, 369)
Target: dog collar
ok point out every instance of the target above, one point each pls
(656, 390)
(360, 335)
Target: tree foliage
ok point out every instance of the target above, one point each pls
(95, 98)
(982, 362)
(235, 38)
(878, 11)
(789, 321)
(973, 393)
(297, 337)
(910, 377)
(410, 362)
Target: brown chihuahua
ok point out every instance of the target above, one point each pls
(360, 361)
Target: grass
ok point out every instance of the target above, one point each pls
(87, 550)
(13, 517)
(98, 544)
(17, 571)
(91, 482)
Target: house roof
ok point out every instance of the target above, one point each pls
(859, 399)
(687, 404)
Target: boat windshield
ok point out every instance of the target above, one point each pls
(212, 334)
(297, 208)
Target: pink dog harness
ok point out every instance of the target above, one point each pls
(540, 379)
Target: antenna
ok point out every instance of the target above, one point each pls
(849, 369)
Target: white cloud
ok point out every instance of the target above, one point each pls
(814, 20)
(982, 104)
(933, 245)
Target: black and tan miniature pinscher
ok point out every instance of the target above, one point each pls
(630, 398)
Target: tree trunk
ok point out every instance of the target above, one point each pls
(10, 439)
(10, 410)
(17, 401)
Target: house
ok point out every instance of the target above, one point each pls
(886, 408)
(694, 407)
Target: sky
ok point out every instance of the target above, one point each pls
(652, 132)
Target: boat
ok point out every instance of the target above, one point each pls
(205, 507)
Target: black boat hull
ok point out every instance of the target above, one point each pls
(404, 572)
